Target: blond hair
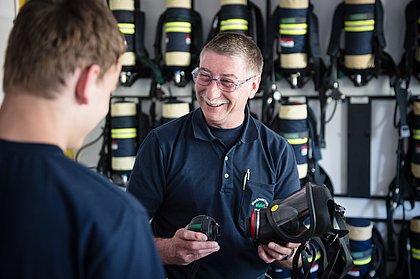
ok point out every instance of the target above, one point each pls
(50, 39)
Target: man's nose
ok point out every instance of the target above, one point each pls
(213, 91)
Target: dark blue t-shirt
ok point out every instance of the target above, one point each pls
(60, 220)
(182, 170)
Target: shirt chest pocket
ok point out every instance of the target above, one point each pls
(254, 195)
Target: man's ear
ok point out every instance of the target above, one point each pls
(87, 78)
(255, 83)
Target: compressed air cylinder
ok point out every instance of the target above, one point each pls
(123, 140)
(360, 235)
(293, 126)
(178, 30)
(173, 109)
(292, 35)
(234, 16)
(415, 246)
(128, 20)
(359, 25)
(415, 133)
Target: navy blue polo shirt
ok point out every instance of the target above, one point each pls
(59, 219)
(182, 170)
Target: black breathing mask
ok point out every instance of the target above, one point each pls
(307, 213)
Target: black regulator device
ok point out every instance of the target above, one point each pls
(205, 224)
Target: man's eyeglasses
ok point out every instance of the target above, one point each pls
(204, 78)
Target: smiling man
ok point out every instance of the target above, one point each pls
(217, 161)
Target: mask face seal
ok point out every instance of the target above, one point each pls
(305, 214)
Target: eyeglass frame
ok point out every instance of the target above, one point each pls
(238, 82)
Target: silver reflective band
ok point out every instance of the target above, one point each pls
(224, 84)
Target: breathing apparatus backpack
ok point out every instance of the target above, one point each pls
(405, 186)
(408, 265)
(300, 218)
(410, 62)
(131, 21)
(177, 54)
(293, 28)
(296, 122)
(240, 16)
(415, 246)
(363, 56)
(367, 249)
(125, 128)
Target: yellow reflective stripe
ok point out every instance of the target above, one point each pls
(124, 133)
(298, 141)
(178, 26)
(359, 22)
(415, 253)
(127, 28)
(362, 262)
(317, 257)
(178, 29)
(293, 29)
(359, 25)
(359, 29)
(233, 24)
(416, 134)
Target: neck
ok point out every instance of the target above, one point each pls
(26, 118)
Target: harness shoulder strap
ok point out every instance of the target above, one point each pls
(157, 45)
(379, 24)
(337, 27)
(257, 31)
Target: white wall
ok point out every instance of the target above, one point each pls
(7, 13)
(384, 136)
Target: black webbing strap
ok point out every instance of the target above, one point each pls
(303, 253)
(314, 46)
(334, 51)
(197, 36)
(157, 45)
(410, 41)
(379, 24)
(400, 184)
(140, 28)
(402, 96)
(257, 24)
(315, 173)
(340, 244)
(324, 255)
(337, 27)
(358, 149)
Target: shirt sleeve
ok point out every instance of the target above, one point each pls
(147, 181)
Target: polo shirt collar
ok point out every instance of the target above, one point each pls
(202, 131)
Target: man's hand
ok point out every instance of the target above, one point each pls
(276, 252)
(185, 247)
